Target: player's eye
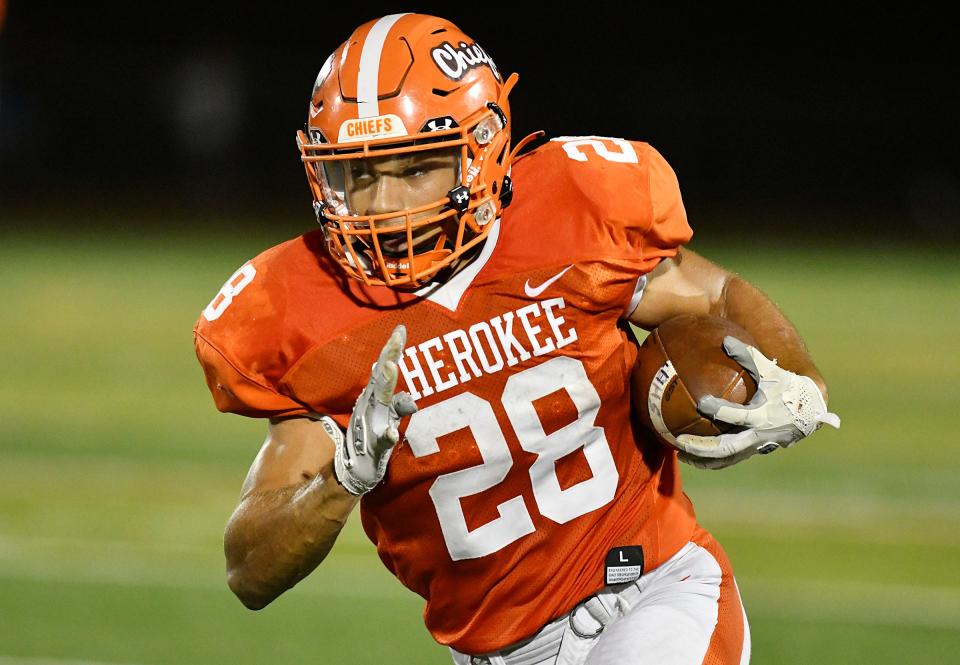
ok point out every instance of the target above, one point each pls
(361, 176)
(423, 168)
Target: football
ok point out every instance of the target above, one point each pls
(681, 361)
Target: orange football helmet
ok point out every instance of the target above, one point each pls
(408, 84)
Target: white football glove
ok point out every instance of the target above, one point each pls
(786, 408)
(360, 461)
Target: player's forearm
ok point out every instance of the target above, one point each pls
(276, 538)
(776, 337)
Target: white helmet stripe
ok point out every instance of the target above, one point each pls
(368, 105)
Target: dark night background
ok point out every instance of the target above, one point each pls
(823, 120)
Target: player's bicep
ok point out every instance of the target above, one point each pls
(685, 284)
(296, 449)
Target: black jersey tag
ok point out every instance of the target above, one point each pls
(623, 564)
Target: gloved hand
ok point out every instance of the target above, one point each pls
(360, 461)
(786, 408)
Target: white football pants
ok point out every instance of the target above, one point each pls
(686, 611)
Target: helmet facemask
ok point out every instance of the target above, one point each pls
(397, 211)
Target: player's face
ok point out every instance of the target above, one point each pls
(379, 185)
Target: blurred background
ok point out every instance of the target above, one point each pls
(146, 152)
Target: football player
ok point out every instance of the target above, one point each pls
(450, 351)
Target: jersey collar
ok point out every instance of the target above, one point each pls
(450, 293)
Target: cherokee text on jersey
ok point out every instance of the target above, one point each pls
(486, 347)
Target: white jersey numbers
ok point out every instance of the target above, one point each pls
(231, 289)
(610, 149)
(553, 502)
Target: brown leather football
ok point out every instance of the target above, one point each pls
(681, 361)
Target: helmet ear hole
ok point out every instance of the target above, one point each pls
(506, 194)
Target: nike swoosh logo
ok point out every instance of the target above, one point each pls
(534, 291)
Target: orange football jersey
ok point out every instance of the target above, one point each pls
(522, 468)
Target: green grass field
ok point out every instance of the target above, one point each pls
(117, 474)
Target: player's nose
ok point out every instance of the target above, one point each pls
(387, 196)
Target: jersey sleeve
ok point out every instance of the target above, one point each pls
(242, 392)
(668, 228)
(247, 338)
(604, 197)
(636, 195)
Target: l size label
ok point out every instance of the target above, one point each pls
(623, 564)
